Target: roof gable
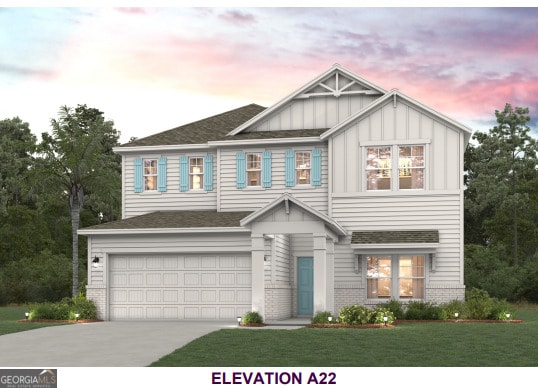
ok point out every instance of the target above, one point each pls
(336, 82)
(395, 95)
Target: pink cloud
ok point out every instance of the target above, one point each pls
(238, 17)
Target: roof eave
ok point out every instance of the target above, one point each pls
(137, 231)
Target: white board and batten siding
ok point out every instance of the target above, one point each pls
(313, 113)
(391, 125)
(253, 198)
(135, 204)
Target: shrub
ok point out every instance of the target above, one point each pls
(378, 315)
(478, 304)
(252, 317)
(322, 317)
(448, 310)
(423, 311)
(354, 315)
(395, 307)
(499, 309)
(64, 310)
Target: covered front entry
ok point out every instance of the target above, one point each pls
(183, 286)
(274, 296)
(305, 286)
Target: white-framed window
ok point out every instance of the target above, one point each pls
(303, 167)
(196, 173)
(254, 169)
(150, 174)
(395, 167)
(397, 277)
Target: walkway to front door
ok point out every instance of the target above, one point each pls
(305, 286)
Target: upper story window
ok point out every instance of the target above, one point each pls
(150, 174)
(196, 173)
(254, 170)
(395, 167)
(302, 168)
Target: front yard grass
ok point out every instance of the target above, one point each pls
(9, 317)
(406, 345)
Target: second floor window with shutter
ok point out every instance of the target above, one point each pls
(196, 173)
(302, 168)
(150, 174)
(254, 169)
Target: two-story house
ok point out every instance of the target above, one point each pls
(341, 193)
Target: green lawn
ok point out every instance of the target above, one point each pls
(9, 317)
(406, 345)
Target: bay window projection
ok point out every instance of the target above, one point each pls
(254, 169)
(395, 277)
(302, 168)
(196, 173)
(150, 174)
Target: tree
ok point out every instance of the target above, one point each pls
(78, 158)
(500, 172)
(17, 145)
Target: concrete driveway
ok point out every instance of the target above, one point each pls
(101, 344)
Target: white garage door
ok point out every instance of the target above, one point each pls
(179, 287)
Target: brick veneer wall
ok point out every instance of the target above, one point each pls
(97, 294)
(278, 304)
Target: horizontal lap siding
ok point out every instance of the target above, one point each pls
(440, 212)
(282, 249)
(141, 203)
(233, 199)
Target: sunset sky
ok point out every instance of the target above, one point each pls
(152, 69)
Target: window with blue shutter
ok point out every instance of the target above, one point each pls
(208, 172)
(266, 169)
(183, 173)
(290, 168)
(161, 174)
(241, 170)
(138, 176)
(316, 167)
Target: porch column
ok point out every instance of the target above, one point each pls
(323, 273)
(258, 280)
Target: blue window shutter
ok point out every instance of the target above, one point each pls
(183, 173)
(316, 167)
(138, 176)
(290, 168)
(208, 172)
(266, 169)
(241, 168)
(161, 174)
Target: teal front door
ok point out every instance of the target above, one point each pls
(305, 286)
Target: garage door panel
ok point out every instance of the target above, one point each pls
(179, 287)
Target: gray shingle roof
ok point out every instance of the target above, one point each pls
(216, 128)
(177, 219)
(396, 237)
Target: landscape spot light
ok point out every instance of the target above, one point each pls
(456, 315)
(385, 319)
(27, 314)
(238, 321)
(330, 318)
(507, 315)
(76, 316)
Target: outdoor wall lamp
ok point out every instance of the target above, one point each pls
(238, 321)
(95, 262)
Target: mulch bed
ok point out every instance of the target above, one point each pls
(252, 324)
(59, 321)
(395, 323)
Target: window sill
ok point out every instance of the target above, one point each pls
(254, 188)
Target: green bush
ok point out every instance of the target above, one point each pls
(448, 310)
(252, 317)
(423, 311)
(322, 317)
(64, 310)
(395, 307)
(378, 315)
(354, 315)
(499, 309)
(478, 304)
